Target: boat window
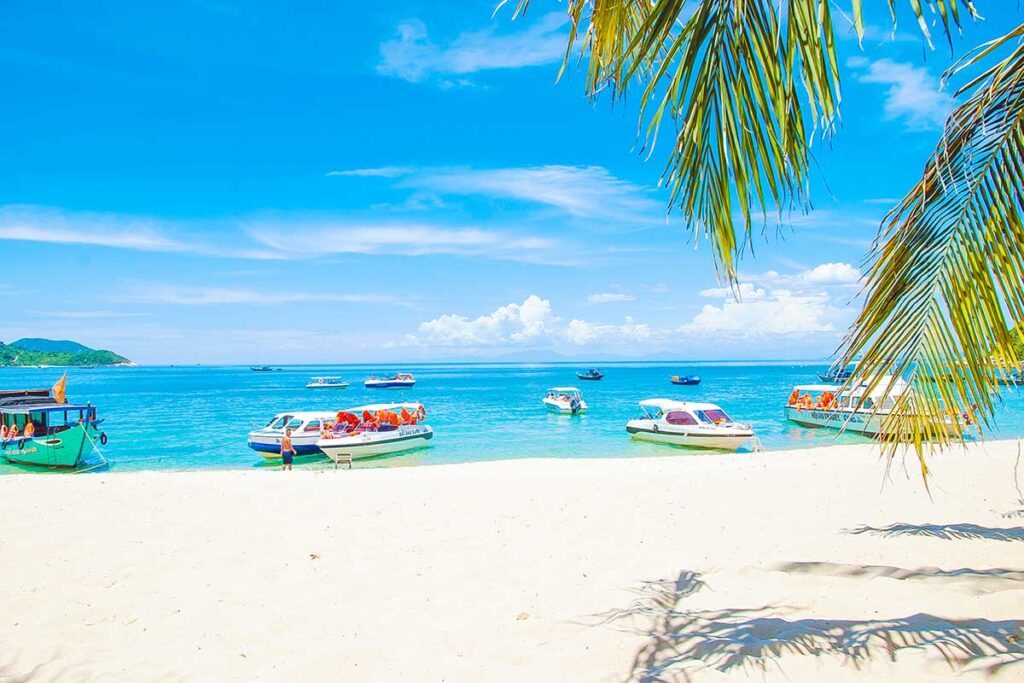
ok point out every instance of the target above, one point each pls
(679, 417)
(312, 426)
(279, 422)
(294, 423)
(716, 416)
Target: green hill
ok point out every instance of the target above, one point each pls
(50, 345)
(14, 355)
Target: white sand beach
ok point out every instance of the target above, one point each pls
(799, 565)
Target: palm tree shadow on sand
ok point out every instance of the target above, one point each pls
(681, 642)
(947, 532)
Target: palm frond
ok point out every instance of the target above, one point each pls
(746, 83)
(946, 278)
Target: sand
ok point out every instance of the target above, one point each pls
(799, 565)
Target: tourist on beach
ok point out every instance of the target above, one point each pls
(287, 450)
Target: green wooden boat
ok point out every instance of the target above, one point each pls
(65, 433)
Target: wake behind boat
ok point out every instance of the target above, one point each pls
(683, 423)
(565, 400)
(376, 429)
(402, 380)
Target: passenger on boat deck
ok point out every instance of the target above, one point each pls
(13, 433)
(794, 398)
(3, 431)
(30, 430)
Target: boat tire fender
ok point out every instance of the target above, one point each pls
(654, 428)
(103, 438)
(21, 444)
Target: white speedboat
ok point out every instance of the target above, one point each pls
(684, 423)
(376, 429)
(402, 380)
(305, 428)
(565, 400)
(853, 408)
(326, 383)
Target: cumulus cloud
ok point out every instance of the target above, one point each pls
(744, 291)
(780, 312)
(413, 56)
(582, 332)
(913, 95)
(510, 324)
(609, 297)
(831, 273)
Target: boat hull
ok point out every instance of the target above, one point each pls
(64, 449)
(373, 444)
(389, 385)
(563, 408)
(851, 421)
(685, 382)
(688, 439)
(268, 443)
(589, 378)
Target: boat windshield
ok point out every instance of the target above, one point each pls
(680, 417)
(284, 422)
(712, 416)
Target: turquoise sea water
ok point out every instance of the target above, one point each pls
(198, 417)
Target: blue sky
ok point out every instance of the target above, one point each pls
(227, 182)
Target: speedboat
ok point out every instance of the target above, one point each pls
(685, 380)
(326, 383)
(857, 408)
(61, 434)
(305, 426)
(565, 400)
(684, 423)
(402, 380)
(376, 429)
(593, 374)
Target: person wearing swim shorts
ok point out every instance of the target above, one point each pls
(287, 450)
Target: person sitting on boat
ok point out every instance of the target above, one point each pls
(13, 433)
(794, 398)
(826, 400)
(30, 430)
(3, 432)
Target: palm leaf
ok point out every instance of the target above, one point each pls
(946, 278)
(746, 83)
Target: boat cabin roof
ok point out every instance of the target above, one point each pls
(667, 404)
(305, 415)
(567, 390)
(48, 406)
(819, 387)
(374, 407)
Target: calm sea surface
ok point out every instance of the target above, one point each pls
(198, 417)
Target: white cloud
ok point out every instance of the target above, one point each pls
(831, 273)
(609, 297)
(582, 332)
(160, 293)
(509, 324)
(781, 312)
(913, 95)
(379, 172)
(28, 223)
(412, 56)
(406, 239)
(744, 292)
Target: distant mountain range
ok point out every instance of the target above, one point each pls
(50, 352)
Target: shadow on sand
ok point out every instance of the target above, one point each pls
(680, 642)
(983, 580)
(947, 532)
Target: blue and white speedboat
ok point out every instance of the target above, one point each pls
(305, 428)
(402, 380)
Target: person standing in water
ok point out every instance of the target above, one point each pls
(287, 450)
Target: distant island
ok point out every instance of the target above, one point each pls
(51, 352)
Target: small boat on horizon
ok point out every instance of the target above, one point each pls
(685, 380)
(836, 373)
(592, 375)
(376, 429)
(264, 368)
(326, 383)
(565, 400)
(61, 434)
(401, 380)
(684, 423)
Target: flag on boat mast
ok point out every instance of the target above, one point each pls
(60, 388)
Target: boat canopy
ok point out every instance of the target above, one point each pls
(818, 387)
(565, 390)
(325, 378)
(374, 407)
(667, 404)
(47, 407)
(305, 415)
